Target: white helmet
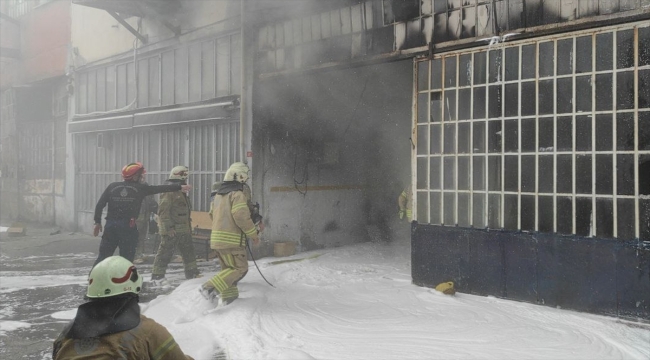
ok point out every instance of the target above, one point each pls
(237, 172)
(114, 275)
(179, 173)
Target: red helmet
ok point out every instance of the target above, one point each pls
(132, 170)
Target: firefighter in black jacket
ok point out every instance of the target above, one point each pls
(124, 199)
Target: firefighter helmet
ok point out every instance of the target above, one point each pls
(179, 173)
(237, 172)
(113, 276)
(129, 172)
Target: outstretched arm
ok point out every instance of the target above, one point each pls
(157, 189)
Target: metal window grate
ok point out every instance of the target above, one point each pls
(549, 135)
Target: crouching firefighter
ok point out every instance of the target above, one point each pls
(110, 325)
(124, 199)
(231, 226)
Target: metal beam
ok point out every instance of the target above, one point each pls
(133, 31)
(6, 17)
(9, 53)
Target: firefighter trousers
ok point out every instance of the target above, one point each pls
(118, 233)
(166, 249)
(234, 266)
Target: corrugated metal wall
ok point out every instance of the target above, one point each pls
(208, 150)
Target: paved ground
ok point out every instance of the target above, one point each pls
(43, 274)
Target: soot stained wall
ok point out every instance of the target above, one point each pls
(335, 151)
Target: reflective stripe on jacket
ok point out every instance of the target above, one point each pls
(231, 221)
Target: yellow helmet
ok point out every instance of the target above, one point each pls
(179, 173)
(114, 275)
(237, 172)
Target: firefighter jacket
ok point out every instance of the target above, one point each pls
(174, 212)
(124, 199)
(231, 221)
(254, 208)
(149, 205)
(108, 329)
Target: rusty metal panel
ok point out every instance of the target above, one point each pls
(357, 21)
(440, 28)
(369, 15)
(263, 38)
(279, 35)
(485, 20)
(271, 34)
(534, 13)
(468, 22)
(607, 6)
(427, 7)
(316, 29)
(551, 11)
(454, 25)
(346, 21)
(326, 25)
(497, 15)
(297, 31)
(414, 35)
(516, 15)
(625, 5)
(587, 8)
(335, 21)
(306, 29)
(568, 10)
(288, 33)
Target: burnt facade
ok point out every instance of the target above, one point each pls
(526, 131)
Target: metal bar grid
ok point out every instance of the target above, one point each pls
(603, 203)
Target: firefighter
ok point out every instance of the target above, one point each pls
(175, 229)
(231, 226)
(124, 200)
(149, 206)
(110, 325)
(404, 201)
(253, 207)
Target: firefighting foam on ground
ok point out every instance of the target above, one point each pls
(353, 302)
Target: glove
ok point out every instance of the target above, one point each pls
(171, 233)
(401, 214)
(97, 229)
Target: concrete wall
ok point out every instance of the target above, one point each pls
(332, 153)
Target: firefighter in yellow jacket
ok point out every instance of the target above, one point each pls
(110, 325)
(175, 228)
(404, 201)
(231, 226)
